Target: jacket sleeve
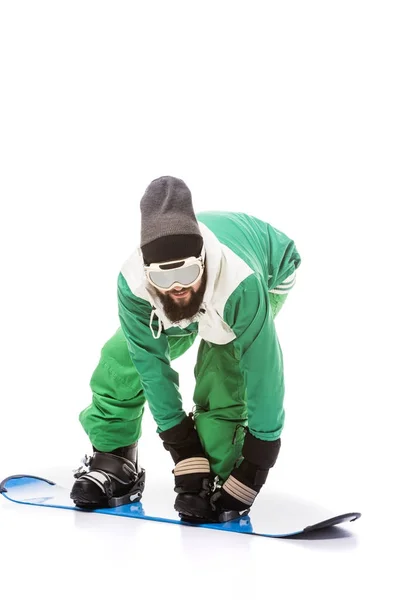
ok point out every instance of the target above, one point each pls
(151, 358)
(283, 260)
(249, 315)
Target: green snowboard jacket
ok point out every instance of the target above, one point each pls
(246, 260)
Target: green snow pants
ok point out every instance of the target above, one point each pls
(114, 417)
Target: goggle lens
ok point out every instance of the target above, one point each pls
(184, 276)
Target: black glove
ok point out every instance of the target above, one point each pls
(191, 465)
(245, 481)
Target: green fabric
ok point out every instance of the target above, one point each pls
(259, 358)
(265, 249)
(151, 356)
(273, 257)
(222, 407)
(276, 301)
(114, 417)
(235, 382)
(250, 311)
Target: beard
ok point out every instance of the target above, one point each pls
(177, 311)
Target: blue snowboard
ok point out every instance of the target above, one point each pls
(272, 515)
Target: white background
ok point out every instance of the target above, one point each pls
(286, 110)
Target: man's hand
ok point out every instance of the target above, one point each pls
(192, 471)
(245, 481)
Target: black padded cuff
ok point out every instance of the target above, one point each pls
(261, 453)
(178, 433)
(182, 441)
(250, 475)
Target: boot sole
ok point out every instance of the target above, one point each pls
(193, 516)
(82, 502)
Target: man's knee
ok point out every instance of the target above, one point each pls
(115, 374)
(116, 349)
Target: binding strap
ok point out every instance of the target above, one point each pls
(189, 466)
(239, 490)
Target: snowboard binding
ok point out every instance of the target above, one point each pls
(194, 507)
(107, 480)
(203, 507)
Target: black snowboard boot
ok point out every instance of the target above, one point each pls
(193, 500)
(193, 477)
(110, 479)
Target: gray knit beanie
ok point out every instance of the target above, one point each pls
(169, 228)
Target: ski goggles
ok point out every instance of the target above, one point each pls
(176, 273)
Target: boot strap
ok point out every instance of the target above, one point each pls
(121, 468)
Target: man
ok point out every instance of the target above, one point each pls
(220, 276)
